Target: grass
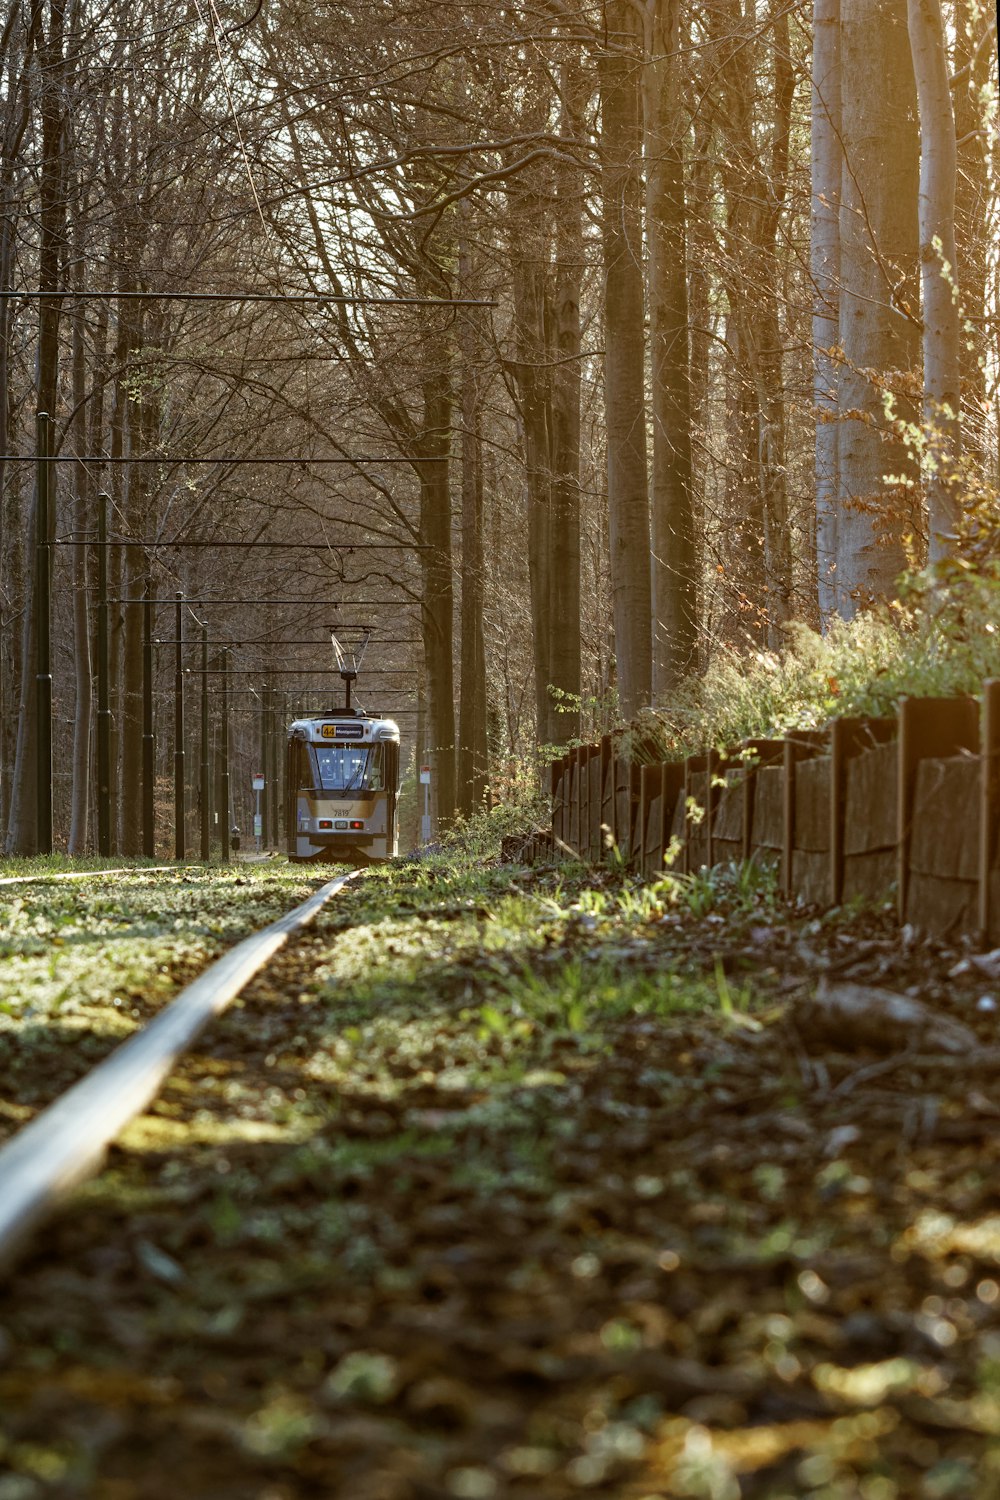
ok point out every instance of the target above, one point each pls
(481, 1181)
(92, 960)
(16, 865)
(935, 642)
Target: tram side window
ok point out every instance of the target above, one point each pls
(391, 764)
(301, 766)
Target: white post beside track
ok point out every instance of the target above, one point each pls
(66, 1143)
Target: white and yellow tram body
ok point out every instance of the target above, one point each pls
(343, 784)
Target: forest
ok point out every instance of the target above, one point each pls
(499, 750)
(572, 348)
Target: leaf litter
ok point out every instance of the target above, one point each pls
(540, 1184)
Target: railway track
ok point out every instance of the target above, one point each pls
(67, 1142)
(477, 1192)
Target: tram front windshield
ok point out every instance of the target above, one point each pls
(348, 768)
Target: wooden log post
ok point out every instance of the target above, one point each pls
(989, 811)
(849, 737)
(755, 754)
(799, 813)
(929, 729)
(558, 773)
(622, 804)
(700, 799)
(595, 783)
(672, 800)
(585, 753)
(635, 835)
(650, 779)
(727, 817)
(758, 755)
(573, 832)
(607, 828)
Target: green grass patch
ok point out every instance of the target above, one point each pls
(82, 963)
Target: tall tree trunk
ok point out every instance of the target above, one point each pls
(624, 357)
(134, 573)
(534, 386)
(17, 115)
(472, 765)
(879, 328)
(975, 49)
(82, 715)
(939, 271)
(22, 834)
(826, 172)
(437, 615)
(564, 537)
(771, 424)
(674, 575)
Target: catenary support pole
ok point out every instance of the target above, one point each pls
(179, 850)
(280, 721)
(262, 761)
(103, 684)
(43, 644)
(224, 754)
(206, 766)
(148, 743)
(271, 826)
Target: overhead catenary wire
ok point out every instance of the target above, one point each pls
(310, 298)
(221, 458)
(337, 546)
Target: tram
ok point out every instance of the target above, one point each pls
(343, 785)
(343, 782)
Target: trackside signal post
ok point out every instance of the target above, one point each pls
(425, 821)
(258, 820)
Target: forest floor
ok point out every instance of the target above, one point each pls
(509, 1183)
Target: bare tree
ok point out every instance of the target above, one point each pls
(939, 271)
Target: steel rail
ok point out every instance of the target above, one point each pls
(66, 1143)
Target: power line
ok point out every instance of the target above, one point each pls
(270, 546)
(190, 640)
(302, 603)
(221, 458)
(304, 298)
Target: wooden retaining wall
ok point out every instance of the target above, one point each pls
(870, 805)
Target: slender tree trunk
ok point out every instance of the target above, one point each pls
(624, 358)
(674, 576)
(939, 271)
(879, 328)
(472, 766)
(82, 716)
(438, 601)
(826, 171)
(22, 834)
(771, 398)
(564, 566)
(975, 49)
(134, 575)
(534, 385)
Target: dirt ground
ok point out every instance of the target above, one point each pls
(537, 1184)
